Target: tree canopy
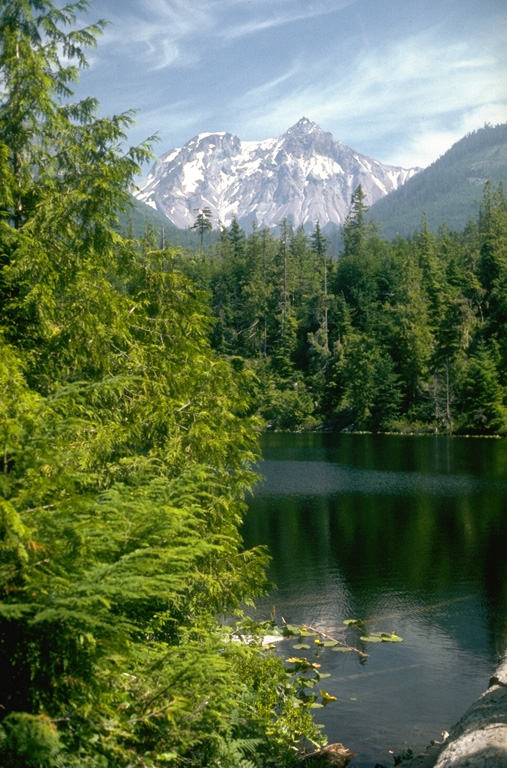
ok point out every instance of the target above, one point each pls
(385, 337)
(127, 445)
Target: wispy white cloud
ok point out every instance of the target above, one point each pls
(430, 143)
(400, 86)
(182, 118)
(253, 26)
(418, 84)
(159, 33)
(279, 15)
(270, 89)
(154, 33)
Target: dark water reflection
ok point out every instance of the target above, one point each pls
(408, 534)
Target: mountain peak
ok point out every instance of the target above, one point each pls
(303, 126)
(304, 175)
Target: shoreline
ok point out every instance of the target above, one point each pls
(479, 738)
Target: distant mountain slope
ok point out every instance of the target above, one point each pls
(142, 218)
(449, 190)
(303, 175)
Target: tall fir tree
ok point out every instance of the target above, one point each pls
(355, 227)
(203, 223)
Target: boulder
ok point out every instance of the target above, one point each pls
(479, 738)
(332, 756)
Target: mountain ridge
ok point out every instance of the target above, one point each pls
(304, 175)
(449, 191)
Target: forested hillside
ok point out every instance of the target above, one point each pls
(126, 451)
(408, 334)
(450, 189)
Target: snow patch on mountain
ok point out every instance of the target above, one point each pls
(304, 175)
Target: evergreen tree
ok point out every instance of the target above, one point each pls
(257, 294)
(482, 397)
(492, 268)
(433, 269)
(410, 337)
(237, 239)
(286, 232)
(371, 394)
(203, 223)
(319, 247)
(492, 229)
(355, 227)
(452, 339)
(126, 448)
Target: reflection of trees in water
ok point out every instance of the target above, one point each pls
(423, 544)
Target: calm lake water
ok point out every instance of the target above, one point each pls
(408, 534)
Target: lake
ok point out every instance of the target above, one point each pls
(408, 534)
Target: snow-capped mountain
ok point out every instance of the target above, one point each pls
(304, 175)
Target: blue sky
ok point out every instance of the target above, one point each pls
(398, 80)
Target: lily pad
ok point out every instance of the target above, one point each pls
(301, 647)
(327, 696)
(382, 637)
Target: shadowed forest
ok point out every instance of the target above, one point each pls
(403, 335)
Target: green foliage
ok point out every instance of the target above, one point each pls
(354, 226)
(449, 190)
(127, 446)
(371, 391)
(482, 398)
(381, 637)
(29, 741)
(408, 754)
(384, 338)
(203, 223)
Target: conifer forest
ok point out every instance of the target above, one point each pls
(407, 335)
(135, 379)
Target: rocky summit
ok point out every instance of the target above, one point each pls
(304, 175)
